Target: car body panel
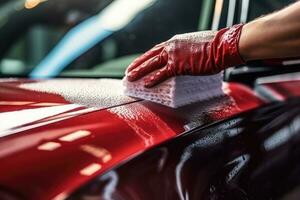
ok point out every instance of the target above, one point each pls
(51, 146)
(254, 155)
(280, 87)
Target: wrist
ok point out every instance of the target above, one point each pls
(246, 45)
(226, 46)
(256, 41)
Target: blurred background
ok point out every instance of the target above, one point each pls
(99, 38)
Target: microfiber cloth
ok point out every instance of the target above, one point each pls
(178, 91)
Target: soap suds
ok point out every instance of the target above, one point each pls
(195, 37)
(100, 93)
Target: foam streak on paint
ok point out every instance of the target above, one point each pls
(137, 114)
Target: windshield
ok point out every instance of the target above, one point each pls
(99, 38)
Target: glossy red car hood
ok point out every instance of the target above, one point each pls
(55, 135)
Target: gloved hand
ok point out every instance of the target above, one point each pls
(200, 53)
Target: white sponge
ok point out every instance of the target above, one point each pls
(178, 91)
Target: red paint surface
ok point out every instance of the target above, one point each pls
(123, 131)
(283, 90)
(279, 87)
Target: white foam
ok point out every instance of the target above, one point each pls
(178, 91)
(100, 93)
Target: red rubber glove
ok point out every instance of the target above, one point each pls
(200, 53)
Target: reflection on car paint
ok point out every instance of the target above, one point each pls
(280, 87)
(90, 169)
(28, 103)
(209, 163)
(71, 137)
(98, 152)
(49, 146)
(41, 118)
(11, 120)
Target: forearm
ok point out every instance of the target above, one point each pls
(274, 36)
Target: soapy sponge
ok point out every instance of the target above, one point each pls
(178, 91)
